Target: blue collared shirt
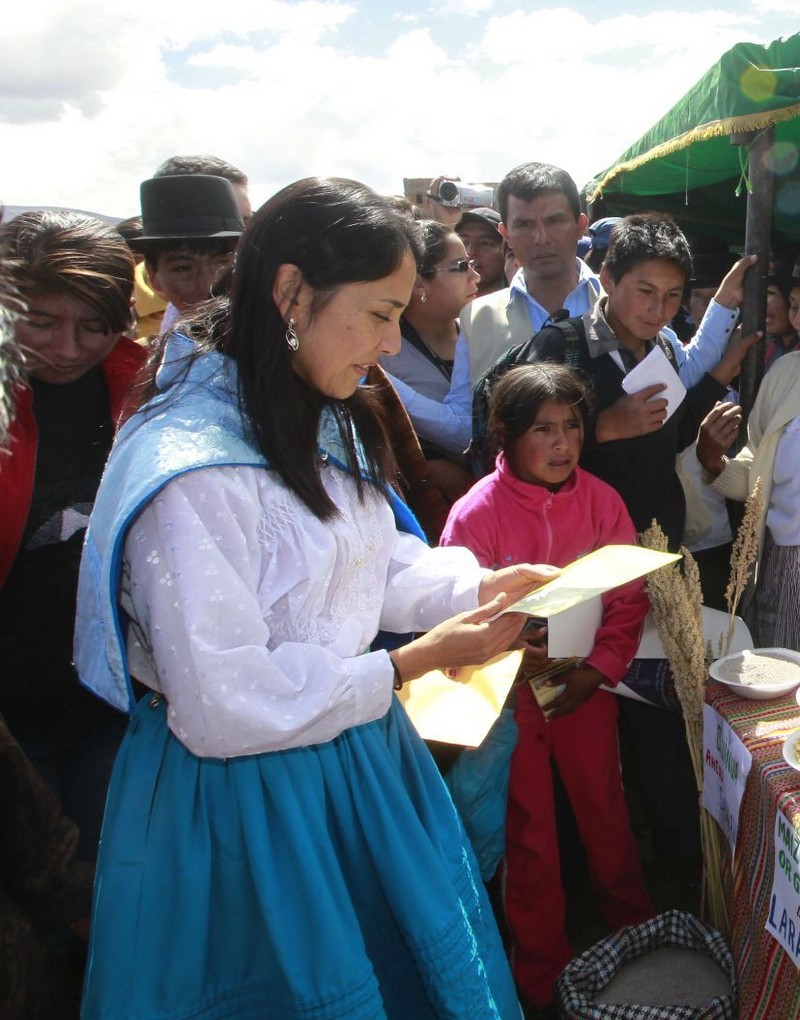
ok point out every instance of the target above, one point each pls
(578, 301)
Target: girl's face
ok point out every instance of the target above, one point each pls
(548, 452)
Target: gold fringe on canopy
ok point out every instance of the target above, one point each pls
(712, 129)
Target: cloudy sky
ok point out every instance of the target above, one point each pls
(94, 94)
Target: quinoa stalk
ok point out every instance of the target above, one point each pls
(676, 600)
(743, 557)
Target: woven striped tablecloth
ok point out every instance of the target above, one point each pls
(769, 981)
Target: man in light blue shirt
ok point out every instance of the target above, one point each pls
(542, 222)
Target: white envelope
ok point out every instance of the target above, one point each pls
(656, 368)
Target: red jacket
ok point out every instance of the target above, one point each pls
(18, 466)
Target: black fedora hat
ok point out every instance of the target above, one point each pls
(188, 207)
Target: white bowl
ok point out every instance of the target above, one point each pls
(789, 744)
(757, 692)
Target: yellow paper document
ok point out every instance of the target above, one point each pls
(460, 711)
(592, 575)
(571, 604)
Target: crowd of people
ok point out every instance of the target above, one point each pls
(260, 471)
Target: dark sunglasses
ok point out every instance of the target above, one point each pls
(462, 266)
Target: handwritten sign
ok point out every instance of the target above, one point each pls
(783, 919)
(726, 765)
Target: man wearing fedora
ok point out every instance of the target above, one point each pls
(190, 227)
(177, 166)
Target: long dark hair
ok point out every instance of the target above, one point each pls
(435, 236)
(56, 251)
(336, 232)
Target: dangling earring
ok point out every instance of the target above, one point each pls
(291, 335)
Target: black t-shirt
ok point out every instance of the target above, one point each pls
(38, 684)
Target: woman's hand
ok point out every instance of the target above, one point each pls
(515, 581)
(468, 639)
(581, 683)
(717, 432)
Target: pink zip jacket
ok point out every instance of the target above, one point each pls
(504, 521)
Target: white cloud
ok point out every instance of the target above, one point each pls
(93, 98)
(47, 68)
(586, 90)
(465, 8)
(777, 7)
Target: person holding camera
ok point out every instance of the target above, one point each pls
(447, 196)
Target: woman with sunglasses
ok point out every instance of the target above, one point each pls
(431, 371)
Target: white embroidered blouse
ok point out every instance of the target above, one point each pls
(252, 616)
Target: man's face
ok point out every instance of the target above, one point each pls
(643, 301)
(485, 247)
(544, 235)
(184, 278)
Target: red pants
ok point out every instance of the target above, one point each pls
(584, 745)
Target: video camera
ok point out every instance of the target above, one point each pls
(454, 193)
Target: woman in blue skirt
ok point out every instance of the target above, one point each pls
(277, 841)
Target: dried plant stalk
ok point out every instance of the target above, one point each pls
(676, 600)
(743, 557)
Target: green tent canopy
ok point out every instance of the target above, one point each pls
(686, 163)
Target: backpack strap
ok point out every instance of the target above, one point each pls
(573, 332)
(572, 336)
(662, 342)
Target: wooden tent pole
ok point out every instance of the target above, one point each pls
(757, 241)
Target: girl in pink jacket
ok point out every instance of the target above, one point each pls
(539, 506)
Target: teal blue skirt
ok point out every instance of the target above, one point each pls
(332, 881)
